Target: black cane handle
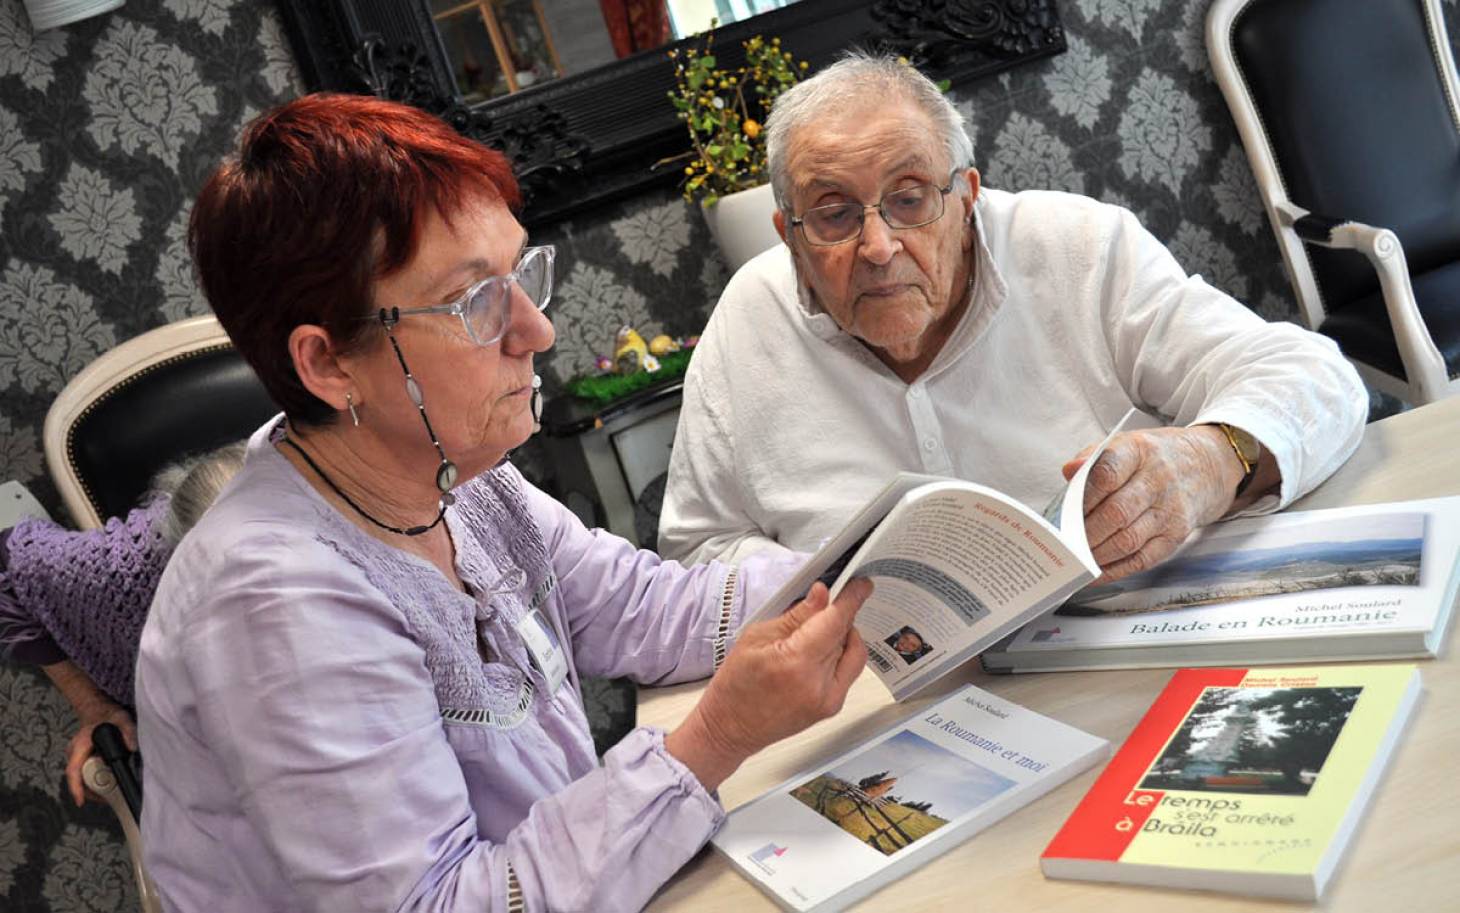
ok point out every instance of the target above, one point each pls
(109, 744)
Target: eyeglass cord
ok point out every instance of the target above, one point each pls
(445, 473)
(410, 531)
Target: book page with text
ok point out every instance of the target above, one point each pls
(955, 565)
(837, 552)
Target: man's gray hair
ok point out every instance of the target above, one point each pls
(858, 75)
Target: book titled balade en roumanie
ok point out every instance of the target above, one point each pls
(1248, 781)
(834, 834)
(1348, 583)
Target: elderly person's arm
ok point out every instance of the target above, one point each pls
(629, 612)
(90, 589)
(23, 639)
(1192, 353)
(93, 707)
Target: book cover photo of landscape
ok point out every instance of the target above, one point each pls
(1382, 550)
(898, 791)
(1254, 740)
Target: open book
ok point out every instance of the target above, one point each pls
(956, 566)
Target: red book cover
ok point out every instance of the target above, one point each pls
(1247, 780)
(1114, 810)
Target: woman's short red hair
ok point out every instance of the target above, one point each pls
(326, 196)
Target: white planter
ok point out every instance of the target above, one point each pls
(741, 224)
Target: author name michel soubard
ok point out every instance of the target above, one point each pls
(1376, 611)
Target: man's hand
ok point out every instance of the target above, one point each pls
(80, 748)
(1151, 489)
(782, 675)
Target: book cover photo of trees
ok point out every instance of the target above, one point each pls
(898, 791)
(1254, 740)
(1365, 551)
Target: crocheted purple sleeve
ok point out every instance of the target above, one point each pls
(88, 590)
(22, 639)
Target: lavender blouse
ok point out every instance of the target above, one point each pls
(322, 732)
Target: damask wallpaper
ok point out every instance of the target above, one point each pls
(108, 127)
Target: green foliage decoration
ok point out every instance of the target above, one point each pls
(724, 111)
(602, 389)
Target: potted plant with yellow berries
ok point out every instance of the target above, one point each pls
(724, 110)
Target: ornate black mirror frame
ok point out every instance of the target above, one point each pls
(594, 137)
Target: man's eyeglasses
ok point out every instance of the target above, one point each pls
(906, 207)
(485, 309)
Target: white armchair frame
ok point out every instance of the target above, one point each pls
(1428, 379)
(135, 356)
(100, 780)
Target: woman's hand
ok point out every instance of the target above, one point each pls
(782, 675)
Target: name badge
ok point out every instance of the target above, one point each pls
(543, 648)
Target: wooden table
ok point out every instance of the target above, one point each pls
(1405, 855)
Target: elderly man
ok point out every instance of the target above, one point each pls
(916, 321)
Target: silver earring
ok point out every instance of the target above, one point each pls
(536, 404)
(350, 403)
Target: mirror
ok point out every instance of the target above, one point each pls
(497, 47)
(574, 91)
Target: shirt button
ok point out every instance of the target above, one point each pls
(915, 392)
(929, 444)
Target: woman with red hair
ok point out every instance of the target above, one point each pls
(357, 686)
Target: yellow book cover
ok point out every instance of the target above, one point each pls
(1245, 780)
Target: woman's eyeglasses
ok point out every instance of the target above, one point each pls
(485, 309)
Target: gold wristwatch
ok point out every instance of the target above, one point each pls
(1248, 450)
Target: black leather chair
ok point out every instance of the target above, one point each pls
(175, 391)
(1350, 114)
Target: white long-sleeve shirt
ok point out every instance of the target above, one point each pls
(789, 425)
